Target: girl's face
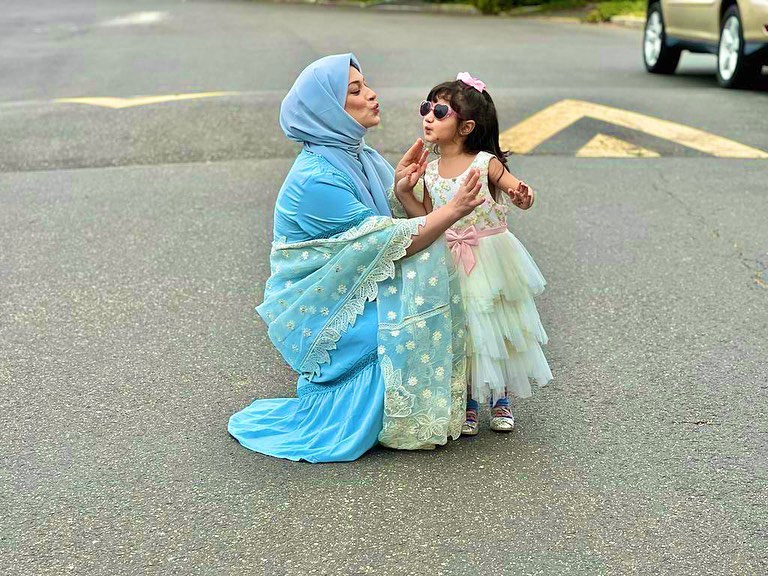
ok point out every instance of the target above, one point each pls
(442, 130)
(361, 101)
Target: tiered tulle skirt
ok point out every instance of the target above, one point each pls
(505, 331)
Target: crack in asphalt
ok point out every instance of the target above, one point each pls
(755, 266)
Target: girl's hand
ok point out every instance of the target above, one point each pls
(523, 196)
(408, 179)
(466, 200)
(417, 155)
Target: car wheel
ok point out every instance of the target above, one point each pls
(659, 58)
(734, 69)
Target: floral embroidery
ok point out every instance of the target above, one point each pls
(490, 214)
(413, 419)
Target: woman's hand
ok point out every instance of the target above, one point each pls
(466, 200)
(522, 196)
(416, 156)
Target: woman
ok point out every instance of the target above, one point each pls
(360, 304)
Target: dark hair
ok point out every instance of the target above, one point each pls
(470, 104)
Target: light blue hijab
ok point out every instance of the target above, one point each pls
(313, 113)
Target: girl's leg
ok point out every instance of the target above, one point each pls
(501, 416)
(470, 427)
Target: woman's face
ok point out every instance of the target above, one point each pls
(439, 131)
(361, 101)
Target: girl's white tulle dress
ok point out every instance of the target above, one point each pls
(498, 282)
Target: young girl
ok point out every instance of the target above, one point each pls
(498, 276)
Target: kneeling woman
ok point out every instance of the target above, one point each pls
(362, 305)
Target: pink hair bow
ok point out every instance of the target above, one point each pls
(466, 77)
(460, 244)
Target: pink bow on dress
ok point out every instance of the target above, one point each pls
(466, 77)
(461, 244)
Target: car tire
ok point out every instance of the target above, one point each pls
(734, 69)
(659, 58)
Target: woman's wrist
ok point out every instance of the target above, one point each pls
(452, 212)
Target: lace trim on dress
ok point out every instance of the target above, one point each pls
(359, 219)
(364, 292)
(349, 376)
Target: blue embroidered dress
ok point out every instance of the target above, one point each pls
(375, 338)
(371, 336)
(337, 416)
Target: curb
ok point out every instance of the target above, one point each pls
(635, 22)
(526, 12)
(392, 6)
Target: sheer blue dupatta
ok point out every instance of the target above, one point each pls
(319, 287)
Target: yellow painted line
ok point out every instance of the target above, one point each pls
(604, 146)
(117, 103)
(528, 134)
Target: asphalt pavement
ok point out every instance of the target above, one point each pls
(134, 245)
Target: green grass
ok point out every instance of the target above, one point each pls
(603, 11)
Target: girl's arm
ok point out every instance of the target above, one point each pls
(521, 195)
(413, 207)
(428, 207)
(406, 178)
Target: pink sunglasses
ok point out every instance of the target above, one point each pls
(440, 110)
